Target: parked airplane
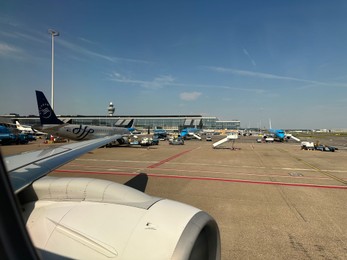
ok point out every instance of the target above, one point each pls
(86, 218)
(54, 126)
(280, 135)
(187, 133)
(27, 129)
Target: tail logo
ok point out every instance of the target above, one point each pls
(44, 110)
(82, 132)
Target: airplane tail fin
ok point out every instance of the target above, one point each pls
(47, 115)
(130, 125)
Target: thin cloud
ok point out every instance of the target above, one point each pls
(27, 46)
(42, 38)
(30, 37)
(86, 40)
(77, 48)
(246, 73)
(249, 56)
(190, 96)
(7, 50)
(157, 83)
(11, 51)
(81, 50)
(164, 81)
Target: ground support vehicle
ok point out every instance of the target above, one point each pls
(325, 148)
(307, 146)
(176, 141)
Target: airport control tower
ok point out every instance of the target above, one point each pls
(110, 109)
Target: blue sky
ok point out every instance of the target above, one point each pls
(245, 60)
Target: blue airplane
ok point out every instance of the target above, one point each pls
(280, 135)
(188, 132)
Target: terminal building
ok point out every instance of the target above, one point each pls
(140, 122)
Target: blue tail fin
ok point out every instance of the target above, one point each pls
(47, 115)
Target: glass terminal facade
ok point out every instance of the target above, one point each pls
(171, 122)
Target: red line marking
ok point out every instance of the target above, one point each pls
(307, 185)
(168, 159)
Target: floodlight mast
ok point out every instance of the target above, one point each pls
(53, 33)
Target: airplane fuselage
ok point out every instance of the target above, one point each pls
(279, 134)
(87, 132)
(188, 131)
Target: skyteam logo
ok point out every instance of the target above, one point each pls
(82, 132)
(45, 111)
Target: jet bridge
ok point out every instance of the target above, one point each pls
(230, 137)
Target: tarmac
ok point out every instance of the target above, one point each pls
(270, 200)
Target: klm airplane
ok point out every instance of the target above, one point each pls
(53, 125)
(187, 133)
(280, 135)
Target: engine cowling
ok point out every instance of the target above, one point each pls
(98, 219)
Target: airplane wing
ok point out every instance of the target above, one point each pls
(87, 218)
(25, 168)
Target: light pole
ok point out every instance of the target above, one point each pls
(53, 33)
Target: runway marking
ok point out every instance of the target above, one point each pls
(169, 159)
(291, 176)
(306, 185)
(327, 173)
(217, 165)
(108, 160)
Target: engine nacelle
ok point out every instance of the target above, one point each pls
(97, 219)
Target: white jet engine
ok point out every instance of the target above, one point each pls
(85, 218)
